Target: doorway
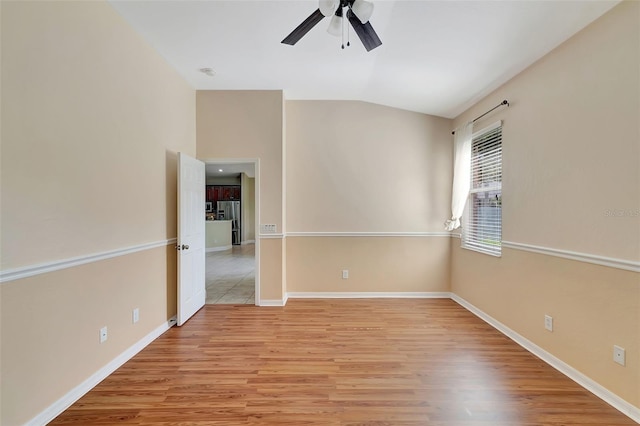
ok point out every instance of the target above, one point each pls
(232, 255)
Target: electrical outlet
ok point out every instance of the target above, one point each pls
(345, 274)
(103, 334)
(136, 315)
(268, 228)
(618, 355)
(548, 322)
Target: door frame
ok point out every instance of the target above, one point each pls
(256, 220)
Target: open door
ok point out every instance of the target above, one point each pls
(191, 237)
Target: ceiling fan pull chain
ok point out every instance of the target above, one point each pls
(342, 29)
(357, 13)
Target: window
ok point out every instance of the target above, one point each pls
(482, 223)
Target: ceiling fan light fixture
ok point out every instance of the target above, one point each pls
(328, 7)
(363, 10)
(357, 12)
(335, 26)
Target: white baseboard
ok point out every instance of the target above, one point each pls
(245, 242)
(222, 248)
(355, 295)
(273, 302)
(612, 399)
(598, 390)
(370, 295)
(76, 393)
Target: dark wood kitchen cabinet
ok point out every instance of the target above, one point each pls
(215, 193)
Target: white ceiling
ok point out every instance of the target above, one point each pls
(229, 169)
(437, 57)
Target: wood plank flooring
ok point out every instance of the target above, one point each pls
(338, 362)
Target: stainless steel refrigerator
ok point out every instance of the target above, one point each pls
(230, 210)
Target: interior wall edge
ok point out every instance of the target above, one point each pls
(43, 268)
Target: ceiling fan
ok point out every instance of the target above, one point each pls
(358, 13)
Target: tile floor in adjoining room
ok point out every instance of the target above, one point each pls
(230, 276)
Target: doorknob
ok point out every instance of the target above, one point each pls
(182, 247)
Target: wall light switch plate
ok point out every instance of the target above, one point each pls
(345, 274)
(268, 228)
(548, 322)
(103, 334)
(136, 315)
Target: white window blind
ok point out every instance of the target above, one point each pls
(482, 223)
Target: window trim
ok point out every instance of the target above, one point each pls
(473, 246)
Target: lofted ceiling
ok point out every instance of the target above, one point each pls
(437, 57)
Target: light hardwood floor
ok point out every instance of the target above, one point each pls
(338, 362)
(230, 276)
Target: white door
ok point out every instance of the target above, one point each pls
(191, 250)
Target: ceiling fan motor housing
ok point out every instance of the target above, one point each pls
(358, 14)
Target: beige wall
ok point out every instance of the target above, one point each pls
(375, 264)
(248, 196)
(245, 124)
(355, 166)
(271, 271)
(593, 308)
(92, 120)
(50, 325)
(360, 167)
(71, 174)
(89, 165)
(571, 150)
(248, 125)
(571, 154)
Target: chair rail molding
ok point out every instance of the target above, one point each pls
(368, 234)
(43, 268)
(628, 265)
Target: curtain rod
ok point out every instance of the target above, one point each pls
(505, 102)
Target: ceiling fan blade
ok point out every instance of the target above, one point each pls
(303, 28)
(367, 35)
